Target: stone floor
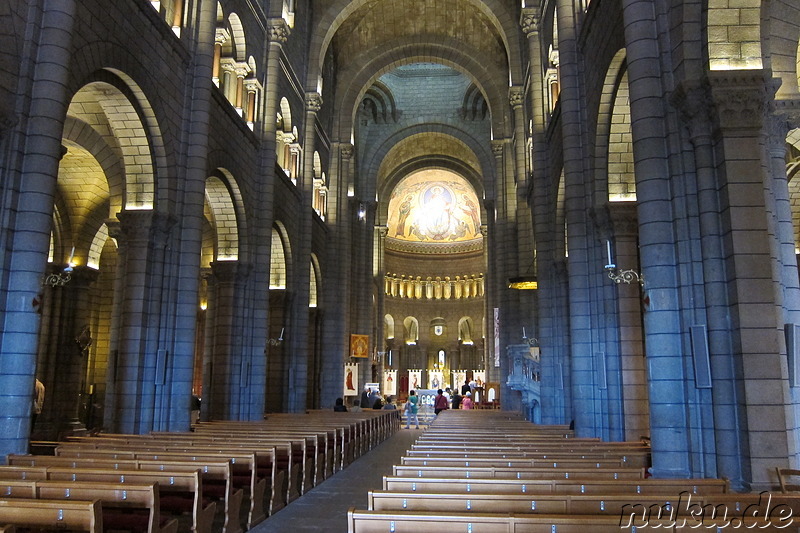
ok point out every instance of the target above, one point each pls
(323, 509)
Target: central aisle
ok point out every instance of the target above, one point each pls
(324, 508)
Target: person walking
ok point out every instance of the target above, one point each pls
(412, 408)
(440, 403)
(466, 402)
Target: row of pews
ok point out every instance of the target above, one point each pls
(222, 477)
(491, 472)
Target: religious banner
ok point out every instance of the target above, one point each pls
(390, 382)
(459, 378)
(496, 337)
(414, 379)
(479, 376)
(359, 345)
(351, 380)
(435, 379)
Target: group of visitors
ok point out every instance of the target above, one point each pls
(369, 398)
(445, 399)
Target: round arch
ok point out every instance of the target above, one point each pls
(505, 23)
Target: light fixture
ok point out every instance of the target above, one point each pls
(621, 276)
(362, 212)
(59, 279)
(523, 283)
(275, 342)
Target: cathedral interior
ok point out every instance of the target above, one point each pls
(588, 207)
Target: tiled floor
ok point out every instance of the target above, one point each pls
(323, 509)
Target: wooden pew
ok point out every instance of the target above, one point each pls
(560, 462)
(134, 507)
(549, 486)
(52, 514)
(275, 463)
(634, 459)
(245, 472)
(217, 477)
(415, 522)
(500, 472)
(580, 504)
(181, 492)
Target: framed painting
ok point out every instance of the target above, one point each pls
(359, 345)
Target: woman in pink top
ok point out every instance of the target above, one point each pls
(466, 403)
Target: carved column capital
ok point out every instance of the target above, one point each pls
(225, 271)
(497, 148)
(241, 69)
(252, 85)
(742, 100)
(135, 225)
(516, 96)
(347, 151)
(222, 36)
(693, 100)
(623, 218)
(529, 21)
(278, 30)
(313, 102)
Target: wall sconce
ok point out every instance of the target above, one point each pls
(362, 212)
(275, 342)
(59, 279)
(619, 276)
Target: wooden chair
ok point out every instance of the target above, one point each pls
(785, 476)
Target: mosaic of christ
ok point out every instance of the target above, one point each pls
(434, 206)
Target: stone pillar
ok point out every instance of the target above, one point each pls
(230, 372)
(582, 273)
(175, 263)
(298, 333)
(129, 364)
(552, 302)
(220, 38)
(63, 357)
(673, 444)
(253, 88)
(742, 101)
(629, 310)
(257, 280)
(693, 101)
(30, 234)
(516, 98)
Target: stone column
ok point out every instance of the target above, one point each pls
(255, 284)
(30, 234)
(543, 205)
(220, 38)
(629, 309)
(516, 98)
(129, 366)
(742, 101)
(587, 406)
(174, 263)
(253, 88)
(63, 357)
(230, 373)
(299, 331)
(694, 102)
(673, 444)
